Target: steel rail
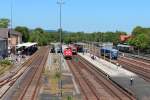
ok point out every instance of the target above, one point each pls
(112, 86)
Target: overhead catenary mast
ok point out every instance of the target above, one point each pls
(10, 27)
(11, 16)
(60, 3)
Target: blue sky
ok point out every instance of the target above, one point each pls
(79, 15)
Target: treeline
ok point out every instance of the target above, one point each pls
(37, 35)
(93, 37)
(140, 36)
(43, 37)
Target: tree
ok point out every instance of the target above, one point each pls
(54, 37)
(40, 36)
(141, 37)
(40, 30)
(142, 41)
(4, 23)
(131, 41)
(140, 30)
(95, 36)
(24, 31)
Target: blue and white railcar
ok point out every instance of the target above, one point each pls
(109, 53)
(125, 48)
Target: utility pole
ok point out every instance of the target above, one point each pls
(60, 3)
(11, 21)
(11, 11)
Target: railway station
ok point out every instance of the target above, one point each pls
(98, 50)
(82, 76)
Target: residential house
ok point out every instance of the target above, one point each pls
(9, 38)
(124, 38)
(14, 38)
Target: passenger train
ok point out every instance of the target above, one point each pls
(73, 48)
(125, 48)
(67, 52)
(109, 53)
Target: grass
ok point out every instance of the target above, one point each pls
(53, 78)
(54, 86)
(5, 65)
(5, 62)
(3, 69)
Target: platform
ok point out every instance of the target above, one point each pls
(121, 76)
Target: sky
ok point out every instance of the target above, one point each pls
(79, 15)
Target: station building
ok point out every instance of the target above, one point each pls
(8, 41)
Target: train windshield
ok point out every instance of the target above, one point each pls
(115, 52)
(73, 49)
(67, 48)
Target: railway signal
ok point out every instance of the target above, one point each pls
(76, 59)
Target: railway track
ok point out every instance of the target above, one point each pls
(141, 59)
(136, 66)
(5, 79)
(94, 84)
(25, 85)
(137, 57)
(9, 80)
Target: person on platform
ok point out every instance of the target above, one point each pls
(93, 57)
(131, 80)
(83, 51)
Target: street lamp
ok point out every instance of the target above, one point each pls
(60, 3)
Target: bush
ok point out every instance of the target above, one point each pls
(57, 75)
(5, 62)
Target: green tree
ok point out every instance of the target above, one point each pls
(131, 41)
(142, 41)
(141, 37)
(40, 36)
(24, 31)
(53, 37)
(93, 37)
(4, 23)
(40, 30)
(140, 30)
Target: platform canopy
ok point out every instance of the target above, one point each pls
(122, 45)
(26, 45)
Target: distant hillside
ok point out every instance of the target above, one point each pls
(57, 31)
(51, 30)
